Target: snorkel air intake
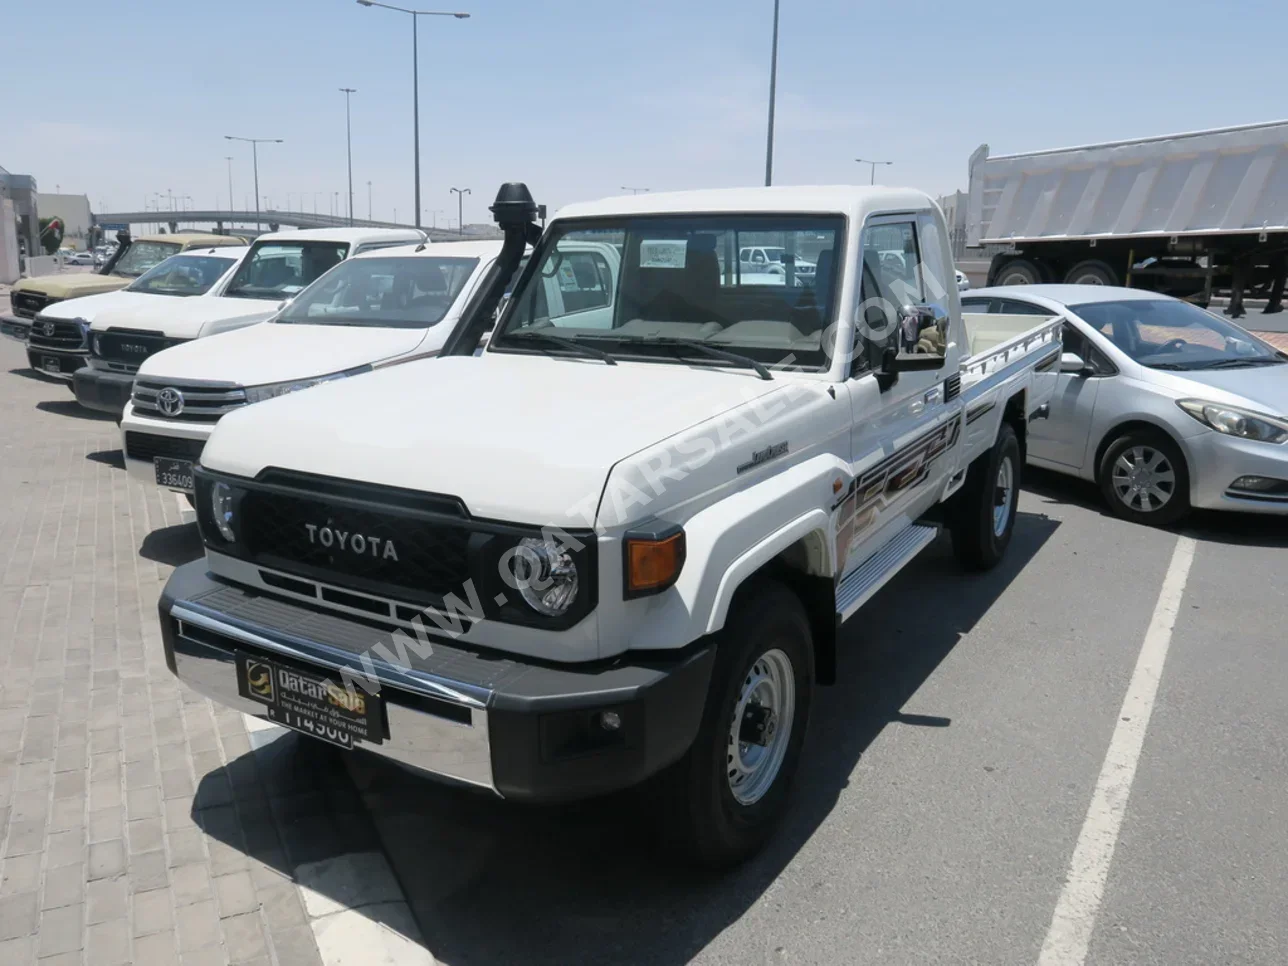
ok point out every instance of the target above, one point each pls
(516, 214)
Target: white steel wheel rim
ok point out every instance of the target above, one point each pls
(1143, 479)
(1015, 278)
(769, 689)
(1003, 496)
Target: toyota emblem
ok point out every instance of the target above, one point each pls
(48, 329)
(170, 402)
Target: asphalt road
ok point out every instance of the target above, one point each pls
(947, 781)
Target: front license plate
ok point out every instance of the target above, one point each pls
(310, 702)
(175, 473)
(51, 364)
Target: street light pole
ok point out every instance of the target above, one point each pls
(254, 151)
(460, 201)
(773, 92)
(348, 141)
(873, 178)
(229, 159)
(633, 191)
(369, 201)
(415, 73)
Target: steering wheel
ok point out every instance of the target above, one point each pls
(1173, 345)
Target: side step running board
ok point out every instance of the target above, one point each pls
(855, 590)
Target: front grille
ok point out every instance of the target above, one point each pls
(27, 304)
(147, 446)
(195, 402)
(57, 334)
(128, 347)
(382, 548)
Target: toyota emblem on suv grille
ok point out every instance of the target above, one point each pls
(170, 402)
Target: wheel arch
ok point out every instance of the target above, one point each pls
(1127, 426)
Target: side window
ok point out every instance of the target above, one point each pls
(936, 274)
(888, 279)
(981, 306)
(584, 281)
(1074, 341)
(1013, 307)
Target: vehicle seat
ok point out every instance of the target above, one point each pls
(808, 316)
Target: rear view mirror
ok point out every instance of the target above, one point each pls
(1072, 362)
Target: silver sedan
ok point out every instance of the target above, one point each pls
(1162, 404)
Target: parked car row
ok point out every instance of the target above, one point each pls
(555, 515)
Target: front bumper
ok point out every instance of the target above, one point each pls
(103, 390)
(56, 363)
(175, 438)
(1216, 460)
(15, 328)
(526, 730)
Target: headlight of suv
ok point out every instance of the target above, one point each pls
(256, 394)
(1237, 422)
(545, 575)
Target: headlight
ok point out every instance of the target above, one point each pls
(221, 508)
(1237, 422)
(545, 575)
(256, 394)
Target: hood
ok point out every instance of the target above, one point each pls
(71, 285)
(278, 352)
(90, 307)
(189, 318)
(525, 439)
(1262, 388)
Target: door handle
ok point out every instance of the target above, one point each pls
(934, 395)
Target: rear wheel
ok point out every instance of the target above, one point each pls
(1091, 272)
(983, 512)
(1018, 271)
(1144, 478)
(724, 797)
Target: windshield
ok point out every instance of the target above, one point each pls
(634, 286)
(143, 255)
(282, 269)
(1170, 334)
(409, 292)
(182, 275)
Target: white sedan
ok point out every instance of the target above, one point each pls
(1162, 404)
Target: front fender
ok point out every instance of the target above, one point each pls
(730, 540)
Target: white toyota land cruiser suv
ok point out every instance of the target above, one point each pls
(619, 543)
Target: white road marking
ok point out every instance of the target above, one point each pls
(1069, 937)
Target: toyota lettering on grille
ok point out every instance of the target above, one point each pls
(170, 402)
(355, 543)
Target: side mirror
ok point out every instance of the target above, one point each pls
(916, 319)
(1072, 362)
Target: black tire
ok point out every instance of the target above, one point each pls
(704, 821)
(1092, 272)
(1134, 447)
(1018, 271)
(980, 537)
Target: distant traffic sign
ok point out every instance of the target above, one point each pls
(113, 227)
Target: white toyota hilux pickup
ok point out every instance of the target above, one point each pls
(278, 267)
(618, 544)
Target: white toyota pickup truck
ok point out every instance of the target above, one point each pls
(277, 267)
(616, 546)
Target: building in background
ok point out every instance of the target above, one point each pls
(21, 190)
(75, 215)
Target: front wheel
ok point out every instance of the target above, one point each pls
(1143, 477)
(724, 797)
(983, 514)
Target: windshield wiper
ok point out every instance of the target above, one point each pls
(715, 353)
(574, 344)
(1240, 363)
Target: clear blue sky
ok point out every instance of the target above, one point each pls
(580, 97)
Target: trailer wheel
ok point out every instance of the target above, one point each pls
(1018, 271)
(1091, 272)
(983, 513)
(724, 797)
